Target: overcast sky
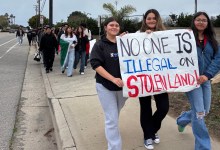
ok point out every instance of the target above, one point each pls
(24, 9)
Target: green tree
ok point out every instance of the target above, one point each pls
(77, 17)
(184, 20)
(3, 21)
(131, 25)
(34, 19)
(7, 16)
(119, 14)
(217, 21)
(92, 25)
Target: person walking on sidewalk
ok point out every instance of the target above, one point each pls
(19, 35)
(105, 61)
(29, 37)
(89, 34)
(80, 48)
(48, 45)
(208, 53)
(151, 123)
(71, 40)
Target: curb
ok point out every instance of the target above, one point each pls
(63, 135)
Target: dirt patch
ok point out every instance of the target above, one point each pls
(179, 103)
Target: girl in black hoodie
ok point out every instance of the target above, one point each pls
(105, 61)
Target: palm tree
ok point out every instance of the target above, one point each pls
(119, 14)
(14, 19)
(6, 16)
(11, 19)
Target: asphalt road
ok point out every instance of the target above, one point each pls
(13, 60)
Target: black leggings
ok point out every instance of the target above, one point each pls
(151, 123)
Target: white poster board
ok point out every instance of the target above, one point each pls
(163, 61)
(91, 44)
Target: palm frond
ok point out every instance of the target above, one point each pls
(110, 8)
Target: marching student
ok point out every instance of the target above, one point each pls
(151, 123)
(108, 81)
(70, 39)
(48, 45)
(208, 53)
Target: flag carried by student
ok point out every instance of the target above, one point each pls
(63, 53)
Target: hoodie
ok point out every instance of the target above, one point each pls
(105, 54)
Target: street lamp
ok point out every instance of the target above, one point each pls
(116, 4)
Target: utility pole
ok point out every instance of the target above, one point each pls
(195, 6)
(50, 12)
(39, 12)
(36, 9)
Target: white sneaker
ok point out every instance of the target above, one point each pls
(149, 144)
(82, 73)
(157, 139)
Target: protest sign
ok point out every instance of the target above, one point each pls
(163, 61)
(91, 43)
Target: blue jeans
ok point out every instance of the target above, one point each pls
(69, 61)
(20, 39)
(80, 54)
(200, 100)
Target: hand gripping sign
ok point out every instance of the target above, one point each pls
(163, 61)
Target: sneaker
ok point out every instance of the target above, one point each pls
(148, 144)
(157, 139)
(82, 73)
(62, 70)
(180, 128)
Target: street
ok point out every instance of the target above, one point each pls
(24, 112)
(13, 59)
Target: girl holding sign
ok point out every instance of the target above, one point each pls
(105, 61)
(208, 53)
(151, 123)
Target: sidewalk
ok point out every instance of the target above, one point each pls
(79, 122)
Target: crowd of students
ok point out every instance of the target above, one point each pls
(74, 45)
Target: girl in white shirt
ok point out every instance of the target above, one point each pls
(69, 37)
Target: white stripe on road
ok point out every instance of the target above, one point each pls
(7, 42)
(8, 50)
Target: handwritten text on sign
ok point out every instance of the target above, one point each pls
(163, 61)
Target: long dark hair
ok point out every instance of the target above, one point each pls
(209, 31)
(66, 32)
(108, 20)
(78, 33)
(159, 25)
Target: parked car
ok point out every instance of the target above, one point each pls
(12, 31)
